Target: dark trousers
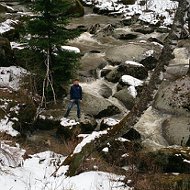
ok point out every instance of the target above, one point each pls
(71, 104)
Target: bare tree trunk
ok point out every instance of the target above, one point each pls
(47, 81)
(74, 160)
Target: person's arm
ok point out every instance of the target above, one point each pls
(80, 93)
(71, 93)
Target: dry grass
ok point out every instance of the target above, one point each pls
(161, 181)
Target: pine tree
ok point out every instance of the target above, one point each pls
(47, 29)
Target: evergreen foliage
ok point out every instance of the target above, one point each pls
(48, 32)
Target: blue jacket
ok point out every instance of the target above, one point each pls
(76, 92)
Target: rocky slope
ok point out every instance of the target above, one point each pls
(119, 53)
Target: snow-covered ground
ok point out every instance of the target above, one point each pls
(6, 127)
(150, 12)
(7, 25)
(35, 173)
(10, 76)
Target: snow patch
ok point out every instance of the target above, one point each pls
(71, 49)
(134, 63)
(7, 25)
(16, 45)
(68, 122)
(6, 126)
(88, 139)
(10, 76)
(10, 156)
(132, 81)
(110, 121)
(36, 174)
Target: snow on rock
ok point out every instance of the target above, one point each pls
(151, 12)
(157, 9)
(110, 121)
(132, 81)
(7, 25)
(132, 91)
(10, 156)
(36, 174)
(6, 126)
(134, 63)
(88, 139)
(16, 45)
(71, 49)
(149, 53)
(10, 76)
(68, 122)
(97, 180)
(106, 149)
(110, 6)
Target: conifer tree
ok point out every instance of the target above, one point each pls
(47, 29)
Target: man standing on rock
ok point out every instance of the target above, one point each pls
(75, 98)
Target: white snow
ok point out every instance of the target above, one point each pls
(7, 25)
(88, 139)
(155, 9)
(111, 121)
(106, 149)
(132, 81)
(187, 161)
(149, 53)
(36, 172)
(9, 155)
(6, 126)
(16, 45)
(71, 49)
(10, 76)
(134, 63)
(132, 90)
(68, 122)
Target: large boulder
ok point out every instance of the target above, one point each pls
(144, 29)
(88, 124)
(108, 123)
(98, 106)
(176, 130)
(125, 97)
(105, 91)
(124, 34)
(136, 71)
(136, 51)
(68, 129)
(178, 66)
(90, 63)
(174, 97)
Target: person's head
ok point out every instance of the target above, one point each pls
(76, 82)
